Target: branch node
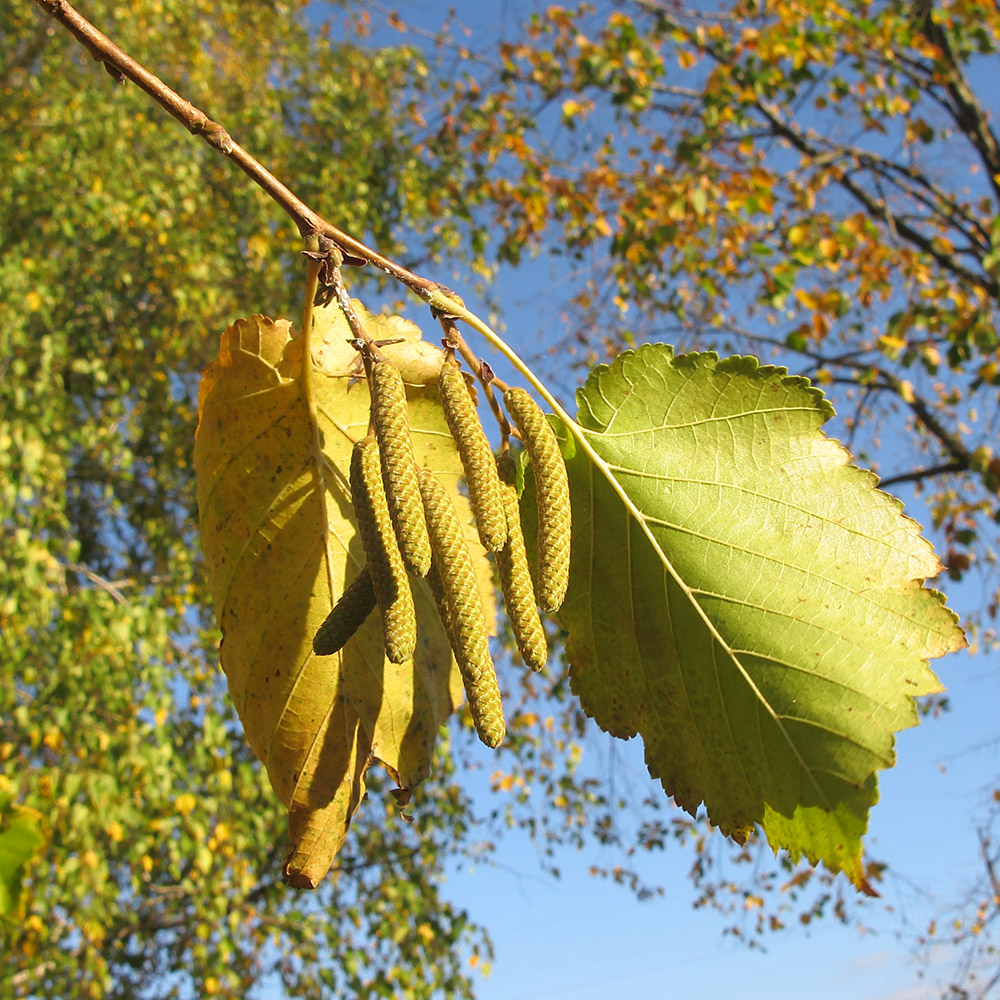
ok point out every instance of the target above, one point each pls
(116, 74)
(214, 134)
(443, 314)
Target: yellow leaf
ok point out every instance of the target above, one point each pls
(686, 58)
(829, 248)
(184, 804)
(797, 235)
(280, 544)
(830, 302)
(53, 739)
(33, 301)
(807, 299)
(502, 782)
(890, 344)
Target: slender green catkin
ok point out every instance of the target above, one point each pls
(356, 603)
(399, 471)
(385, 564)
(515, 578)
(552, 492)
(456, 590)
(477, 458)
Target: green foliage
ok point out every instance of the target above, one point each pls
(744, 599)
(20, 841)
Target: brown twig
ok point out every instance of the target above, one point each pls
(506, 429)
(111, 589)
(123, 67)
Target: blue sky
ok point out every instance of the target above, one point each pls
(584, 938)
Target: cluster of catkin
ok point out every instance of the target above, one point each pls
(409, 527)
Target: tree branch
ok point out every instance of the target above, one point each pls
(877, 209)
(962, 458)
(112, 589)
(967, 114)
(122, 67)
(953, 445)
(965, 108)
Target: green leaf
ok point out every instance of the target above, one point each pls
(19, 842)
(745, 599)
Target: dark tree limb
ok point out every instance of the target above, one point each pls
(919, 475)
(966, 110)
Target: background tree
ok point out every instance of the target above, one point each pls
(767, 168)
(126, 250)
(815, 182)
(121, 268)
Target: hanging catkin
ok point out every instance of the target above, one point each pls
(456, 590)
(552, 493)
(348, 615)
(515, 579)
(477, 458)
(399, 471)
(385, 564)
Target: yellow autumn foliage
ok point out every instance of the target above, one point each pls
(280, 546)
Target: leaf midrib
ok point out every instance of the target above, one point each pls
(583, 436)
